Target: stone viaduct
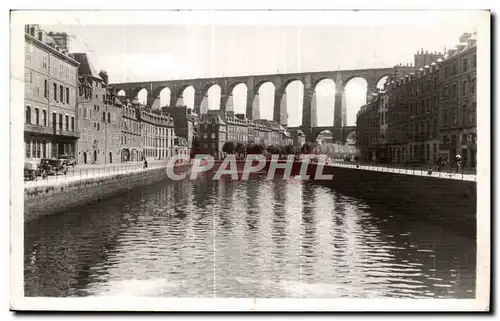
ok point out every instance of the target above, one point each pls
(280, 81)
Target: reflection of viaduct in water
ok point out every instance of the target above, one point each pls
(253, 84)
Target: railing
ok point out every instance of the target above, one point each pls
(449, 171)
(80, 172)
(50, 130)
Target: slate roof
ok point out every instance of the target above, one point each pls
(85, 67)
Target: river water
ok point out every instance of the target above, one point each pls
(258, 238)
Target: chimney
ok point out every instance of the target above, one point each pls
(464, 37)
(104, 76)
(61, 39)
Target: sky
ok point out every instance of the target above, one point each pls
(162, 52)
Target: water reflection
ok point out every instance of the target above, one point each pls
(261, 238)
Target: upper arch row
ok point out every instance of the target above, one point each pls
(253, 83)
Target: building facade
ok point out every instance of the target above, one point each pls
(158, 133)
(368, 130)
(397, 93)
(131, 142)
(98, 116)
(50, 97)
(431, 113)
(458, 110)
(237, 128)
(212, 132)
(184, 122)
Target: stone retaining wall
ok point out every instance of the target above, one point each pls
(46, 200)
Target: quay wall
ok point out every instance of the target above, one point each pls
(51, 199)
(449, 203)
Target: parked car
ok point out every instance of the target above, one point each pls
(68, 159)
(32, 171)
(53, 166)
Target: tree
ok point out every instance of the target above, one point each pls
(228, 148)
(255, 149)
(307, 148)
(240, 148)
(273, 149)
(290, 149)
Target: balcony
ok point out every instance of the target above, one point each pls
(49, 130)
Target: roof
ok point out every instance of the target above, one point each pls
(85, 67)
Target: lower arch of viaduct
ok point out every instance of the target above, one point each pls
(253, 84)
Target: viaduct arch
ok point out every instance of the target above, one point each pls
(280, 81)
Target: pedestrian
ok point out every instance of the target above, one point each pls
(440, 163)
(458, 162)
(145, 163)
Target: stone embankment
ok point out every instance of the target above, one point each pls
(47, 199)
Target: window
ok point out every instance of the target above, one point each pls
(446, 71)
(44, 118)
(454, 68)
(67, 95)
(429, 106)
(27, 149)
(37, 116)
(84, 113)
(435, 82)
(44, 62)
(37, 148)
(465, 64)
(465, 114)
(54, 120)
(464, 88)
(72, 123)
(46, 88)
(60, 121)
(473, 85)
(104, 116)
(454, 117)
(66, 118)
(37, 91)
(435, 103)
(28, 115)
(109, 118)
(61, 93)
(453, 91)
(444, 117)
(98, 127)
(55, 91)
(474, 61)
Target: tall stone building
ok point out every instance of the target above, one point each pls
(184, 121)
(213, 132)
(458, 111)
(368, 130)
(131, 142)
(158, 133)
(432, 112)
(49, 97)
(98, 116)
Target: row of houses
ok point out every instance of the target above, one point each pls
(427, 114)
(217, 127)
(71, 110)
